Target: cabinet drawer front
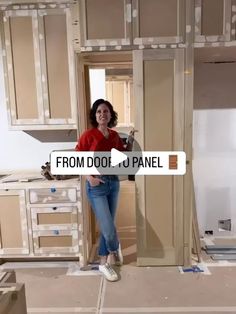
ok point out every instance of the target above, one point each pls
(52, 195)
(55, 242)
(46, 218)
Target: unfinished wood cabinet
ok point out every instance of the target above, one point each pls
(55, 228)
(158, 21)
(105, 22)
(159, 95)
(46, 217)
(39, 66)
(13, 223)
(136, 22)
(212, 20)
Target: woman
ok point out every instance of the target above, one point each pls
(103, 191)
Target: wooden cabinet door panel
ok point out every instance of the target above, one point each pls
(105, 22)
(212, 20)
(158, 21)
(13, 223)
(23, 69)
(57, 61)
(159, 91)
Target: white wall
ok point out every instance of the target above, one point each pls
(20, 151)
(214, 143)
(97, 82)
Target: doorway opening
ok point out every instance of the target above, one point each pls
(110, 76)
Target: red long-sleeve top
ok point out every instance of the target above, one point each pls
(94, 140)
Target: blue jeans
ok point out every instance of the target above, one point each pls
(103, 199)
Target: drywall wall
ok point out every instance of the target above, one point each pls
(97, 82)
(20, 150)
(214, 145)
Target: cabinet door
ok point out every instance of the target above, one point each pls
(13, 223)
(158, 21)
(212, 20)
(105, 22)
(25, 101)
(57, 64)
(159, 95)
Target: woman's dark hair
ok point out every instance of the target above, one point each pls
(92, 115)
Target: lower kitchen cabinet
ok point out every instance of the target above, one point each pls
(13, 223)
(41, 219)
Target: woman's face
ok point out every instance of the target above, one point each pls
(103, 115)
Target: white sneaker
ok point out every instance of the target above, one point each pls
(108, 272)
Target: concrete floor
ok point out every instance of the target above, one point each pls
(139, 290)
(62, 288)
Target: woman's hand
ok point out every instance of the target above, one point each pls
(130, 139)
(94, 181)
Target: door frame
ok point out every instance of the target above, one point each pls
(86, 59)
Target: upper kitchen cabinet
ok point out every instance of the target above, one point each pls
(212, 20)
(123, 24)
(105, 23)
(39, 67)
(158, 21)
